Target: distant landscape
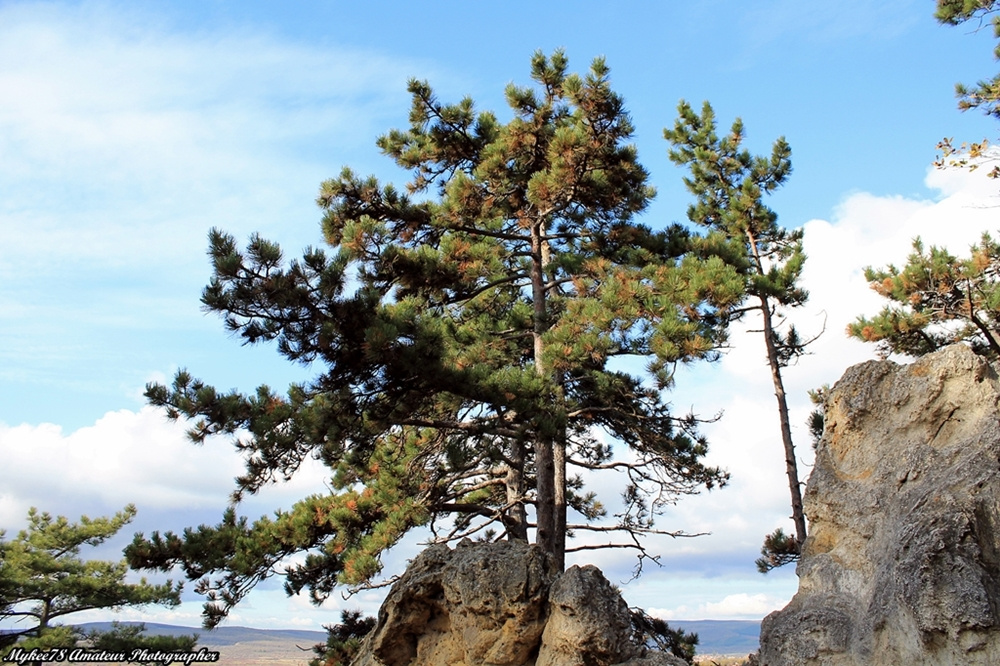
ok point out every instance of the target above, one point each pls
(241, 645)
(252, 647)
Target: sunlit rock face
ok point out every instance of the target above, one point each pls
(902, 563)
(502, 604)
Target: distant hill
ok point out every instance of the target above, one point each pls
(243, 645)
(737, 637)
(223, 635)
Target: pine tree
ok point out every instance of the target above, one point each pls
(729, 184)
(128, 638)
(656, 634)
(43, 579)
(343, 640)
(468, 330)
(938, 300)
(985, 95)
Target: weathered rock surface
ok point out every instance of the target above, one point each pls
(588, 622)
(502, 604)
(902, 564)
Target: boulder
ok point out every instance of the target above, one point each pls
(473, 605)
(502, 604)
(902, 562)
(588, 623)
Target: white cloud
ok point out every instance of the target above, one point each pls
(144, 459)
(129, 457)
(736, 605)
(865, 230)
(739, 606)
(124, 457)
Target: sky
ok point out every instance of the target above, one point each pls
(128, 130)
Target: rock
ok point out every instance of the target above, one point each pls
(902, 563)
(472, 605)
(588, 622)
(502, 604)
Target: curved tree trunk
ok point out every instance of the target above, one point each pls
(791, 465)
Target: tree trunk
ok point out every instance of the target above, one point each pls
(545, 489)
(989, 334)
(791, 465)
(516, 519)
(559, 501)
(43, 623)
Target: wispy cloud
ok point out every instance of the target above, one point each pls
(118, 136)
(125, 140)
(772, 27)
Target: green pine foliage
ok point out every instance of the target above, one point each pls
(343, 640)
(466, 329)
(816, 421)
(937, 299)
(656, 634)
(43, 579)
(778, 550)
(730, 184)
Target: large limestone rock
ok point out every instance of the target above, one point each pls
(502, 604)
(902, 564)
(588, 622)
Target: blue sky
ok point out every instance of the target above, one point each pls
(127, 130)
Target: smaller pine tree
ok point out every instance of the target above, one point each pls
(43, 579)
(730, 184)
(343, 640)
(778, 550)
(936, 299)
(656, 634)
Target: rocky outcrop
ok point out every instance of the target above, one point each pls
(902, 564)
(502, 604)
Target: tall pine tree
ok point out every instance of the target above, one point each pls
(467, 329)
(730, 184)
